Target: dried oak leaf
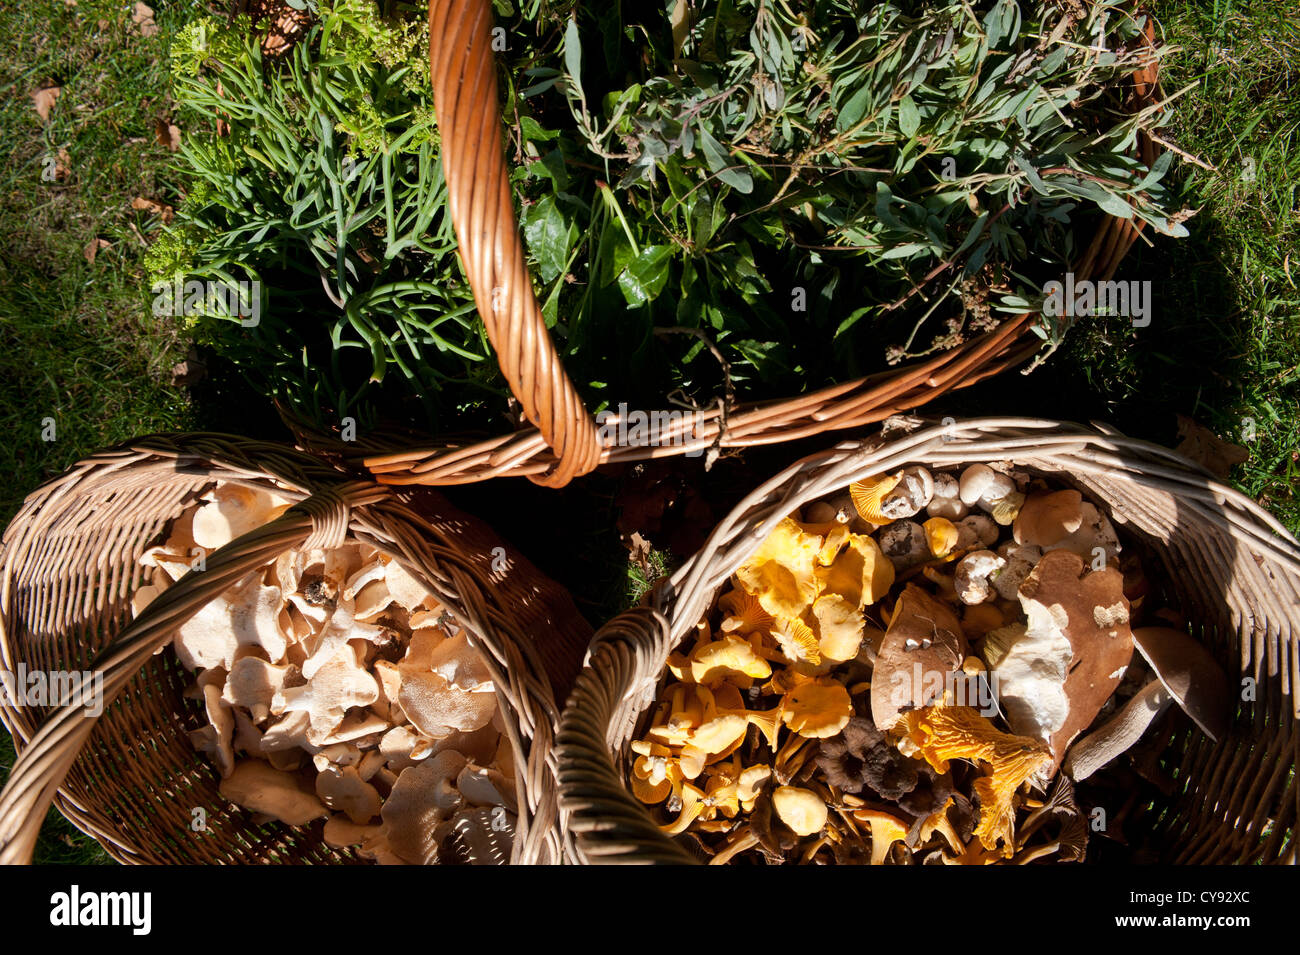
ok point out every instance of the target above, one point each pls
(167, 134)
(162, 210)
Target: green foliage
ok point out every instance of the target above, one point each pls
(317, 175)
(812, 186)
(855, 151)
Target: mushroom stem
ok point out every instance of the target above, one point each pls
(1118, 733)
(1038, 852)
(742, 840)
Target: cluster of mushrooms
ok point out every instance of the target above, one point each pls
(917, 671)
(337, 689)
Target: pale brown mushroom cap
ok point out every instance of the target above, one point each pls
(423, 797)
(1047, 517)
(800, 809)
(341, 832)
(233, 510)
(336, 686)
(923, 644)
(216, 739)
(404, 587)
(253, 684)
(343, 790)
(1190, 674)
(261, 788)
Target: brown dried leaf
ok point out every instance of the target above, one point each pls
(92, 250)
(168, 135)
(1207, 449)
(142, 17)
(44, 99)
(141, 204)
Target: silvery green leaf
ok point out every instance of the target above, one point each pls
(573, 56)
(909, 117)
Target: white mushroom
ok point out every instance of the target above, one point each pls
(340, 683)
(233, 510)
(946, 500)
(1020, 559)
(983, 486)
(368, 574)
(343, 790)
(406, 590)
(289, 734)
(253, 683)
(912, 493)
(337, 755)
(971, 579)
(976, 530)
(335, 640)
(341, 832)
(247, 615)
(357, 727)
(483, 786)
(460, 664)
(216, 738)
(423, 796)
(904, 543)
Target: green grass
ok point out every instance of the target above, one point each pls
(1240, 269)
(1223, 346)
(78, 343)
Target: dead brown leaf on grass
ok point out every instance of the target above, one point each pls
(168, 134)
(1207, 449)
(44, 99)
(92, 250)
(62, 165)
(142, 17)
(160, 209)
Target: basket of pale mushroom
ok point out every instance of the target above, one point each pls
(337, 688)
(287, 666)
(962, 645)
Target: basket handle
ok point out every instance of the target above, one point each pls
(319, 521)
(463, 72)
(607, 699)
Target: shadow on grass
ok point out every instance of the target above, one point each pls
(1140, 379)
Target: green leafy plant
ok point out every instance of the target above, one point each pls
(719, 198)
(317, 176)
(810, 184)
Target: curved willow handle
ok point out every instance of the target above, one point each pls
(608, 697)
(319, 521)
(463, 72)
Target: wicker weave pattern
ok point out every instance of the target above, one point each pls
(70, 565)
(1227, 563)
(478, 196)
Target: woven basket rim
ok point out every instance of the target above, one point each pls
(627, 657)
(323, 496)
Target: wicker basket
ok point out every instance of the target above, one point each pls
(131, 778)
(1222, 559)
(563, 441)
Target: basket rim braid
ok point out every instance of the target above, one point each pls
(563, 441)
(1223, 557)
(68, 568)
